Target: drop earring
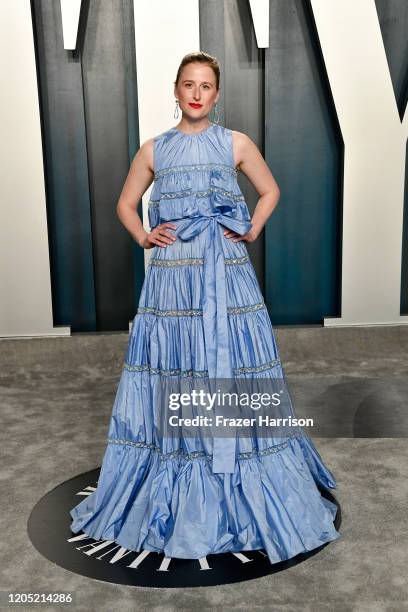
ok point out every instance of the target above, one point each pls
(216, 119)
(176, 110)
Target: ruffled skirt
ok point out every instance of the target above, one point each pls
(151, 497)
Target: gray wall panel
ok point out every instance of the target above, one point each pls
(66, 172)
(105, 95)
(304, 150)
(89, 122)
(393, 18)
(226, 31)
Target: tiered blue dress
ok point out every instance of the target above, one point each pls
(202, 314)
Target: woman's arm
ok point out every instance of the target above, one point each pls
(139, 178)
(249, 160)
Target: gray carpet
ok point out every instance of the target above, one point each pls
(56, 400)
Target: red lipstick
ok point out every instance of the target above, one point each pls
(194, 105)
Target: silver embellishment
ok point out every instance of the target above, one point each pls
(194, 167)
(197, 312)
(169, 313)
(269, 450)
(168, 263)
(131, 443)
(236, 260)
(234, 196)
(202, 454)
(171, 195)
(199, 373)
(199, 194)
(261, 368)
(242, 309)
(171, 372)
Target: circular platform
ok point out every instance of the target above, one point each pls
(48, 529)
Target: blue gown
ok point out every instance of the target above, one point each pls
(201, 314)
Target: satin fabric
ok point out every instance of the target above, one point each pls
(195, 496)
(215, 319)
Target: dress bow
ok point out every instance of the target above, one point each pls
(215, 318)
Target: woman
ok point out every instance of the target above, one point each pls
(201, 317)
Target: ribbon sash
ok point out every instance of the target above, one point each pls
(215, 316)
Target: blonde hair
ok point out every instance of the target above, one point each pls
(204, 58)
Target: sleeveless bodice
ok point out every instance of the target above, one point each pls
(194, 175)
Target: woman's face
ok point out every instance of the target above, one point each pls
(197, 86)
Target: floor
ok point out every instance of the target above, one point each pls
(56, 399)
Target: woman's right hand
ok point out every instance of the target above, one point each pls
(158, 236)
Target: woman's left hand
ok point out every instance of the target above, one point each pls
(250, 236)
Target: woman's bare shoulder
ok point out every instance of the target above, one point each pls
(240, 142)
(238, 135)
(146, 152)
